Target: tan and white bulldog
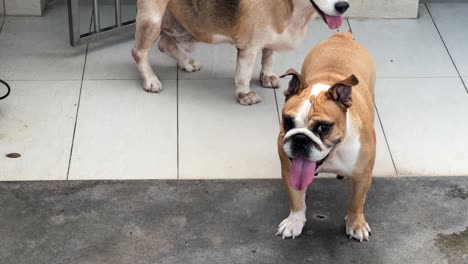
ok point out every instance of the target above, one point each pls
(253, 26)
(328, 126)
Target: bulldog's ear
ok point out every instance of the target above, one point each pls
(296, 84)
(341, 91)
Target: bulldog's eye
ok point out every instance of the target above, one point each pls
(288, 123)
(323, 128)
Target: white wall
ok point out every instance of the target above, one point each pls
(383, 9)
(24, 7)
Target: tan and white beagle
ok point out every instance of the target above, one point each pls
(253, 26)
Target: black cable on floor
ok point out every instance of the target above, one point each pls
(8, 89)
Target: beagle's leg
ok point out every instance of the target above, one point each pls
(245, 63)
(148, 26)
(169, 46)
(267, 77)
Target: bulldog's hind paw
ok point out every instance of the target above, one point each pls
(269, 81)
(357, 227)
(249, 98)
(190, 65)
(292, 226)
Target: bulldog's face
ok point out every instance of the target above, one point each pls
(313, 123)
(331, 11)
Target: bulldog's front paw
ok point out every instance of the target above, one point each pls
(269, 81)
(249, 98)
(191, 65)
(292, 226)
(152, 84)
(357, 227)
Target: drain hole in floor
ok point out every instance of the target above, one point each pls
(319, 216)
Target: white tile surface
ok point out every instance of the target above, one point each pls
(125, 133)
(219, 138)
(219, 61)
(424, 122)
(405, 47)
(37, 121)
(37, 48)
(24, 7)
(383, 161)
(452, 21)
(111, 58)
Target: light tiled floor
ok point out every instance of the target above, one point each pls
(405, 47)
(452, 23)
(123, 132)
(36, 48)
(37, 121)
(423, 118)
(220, 139)
(80, 113)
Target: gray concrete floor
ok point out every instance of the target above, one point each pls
(414, 220)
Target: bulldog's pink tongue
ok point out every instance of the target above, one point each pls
(301, 173)
(333, 22)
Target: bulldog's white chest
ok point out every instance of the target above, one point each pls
(345, 156)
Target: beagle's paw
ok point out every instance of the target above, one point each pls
(190, 65)
(152, 84)
(249, 98)
(357, 227)
(269, 81)
(292, 226)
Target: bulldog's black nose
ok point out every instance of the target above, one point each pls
(301, 145)
(341, 7)
(301, 140)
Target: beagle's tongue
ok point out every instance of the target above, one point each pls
(333, 22)
(301, 173)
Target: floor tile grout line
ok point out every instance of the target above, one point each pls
(349, 24)
(76, 116)
(78, 103)
(4, 16)
(381, 124)
(446, 48)
(3, 22)
(386, 140)
(177, 113)
(277, 107)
